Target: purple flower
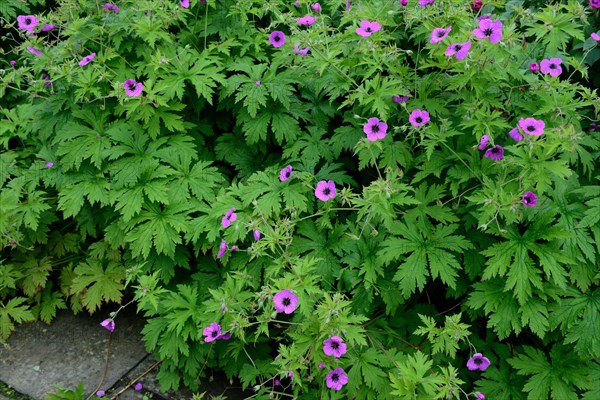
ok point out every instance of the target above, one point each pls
(13, 62)
(595, 3)
(276, 382)
(306, 20)
(325, 190)
(212, 332)
(290, 374)
(375, 129)
(100, 393)
(478, 361)
(111, 7)
(229, 217)
(225, 336)
(400, 99)
(551, 66)
(277, 39)
(594, 127)
(256, 234)
(483, 142)
(300, 51)
(27, 22)
(480, 396)
(48, 27)
(336, 379)
(285, 173)
(404, 2)
(476, 5)
(334, 346)
(108, 324)
(534, 67)
(424, 3)
(482, 17)
(418, 117)
(321, 366)
(529, 199)
(367, 28)
(185, 3)
(34, 51)
(348, 4)
(222, 248)
(495, 153)
(595, 36)
(439, 34)
(316, 7)
(138, 386)
(491, 29)
(87, 59)
(460, 49)
(532, 126)
(258, 83)
(49, 164)
(47, 79)
(234, 248)
(133, 88)
(516, 134)
(285, 301)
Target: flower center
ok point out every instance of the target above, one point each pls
(132, 86)
(286, 302)
(368, 30)
(457, 47)
(27, 21)
(287, 174)
(419, 120)
(531, 128)
(441, 33)
(277, 38)
(335, 377)
(552, 66)
(335, 345)
(488, 31)
(375, 128)
(326, 191)
(478, 360)
(213, 334)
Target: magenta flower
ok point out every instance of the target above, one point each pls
(277, 39)
(478, 361)
(480, 396)
(27, 22)
(48, 27)
(34, 51)
(375, 129)
(334, 346)
(595, 36)
(325, 190)
(185, 3)
(516, 134)
(87, 59)
(224, 336)
(300, 51)
(138, 387)
(256, 234)
(211, 332)
(229, 217)
(13, 62)
(276, 382)
(424, 3)
(285, 173)
(439, 34)
(418, 117)
(534, 67)
(495, 153)
(476, 5)
(532, 126)
(551, 66)
(100, 393)
(529, 199)
(108, 324)
(490, 29)
(316, 7)
(336, 379)
(595, 3)
(367, 28)
(321, 366)
(285, 301)
(404, 2)
(348, 4)
(222, 248)
(49, 164)
(483, 142)
(111, 7)
(460, 49)
(133, 88)
(400, 99)
(290, 374)
(258, 83)
(306, 20)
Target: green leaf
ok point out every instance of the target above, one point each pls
(97, 283)
(13, 312)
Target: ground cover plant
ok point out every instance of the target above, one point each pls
(346, 199)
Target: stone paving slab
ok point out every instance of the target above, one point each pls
(69, 351)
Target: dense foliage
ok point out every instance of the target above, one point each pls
(366, 199)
